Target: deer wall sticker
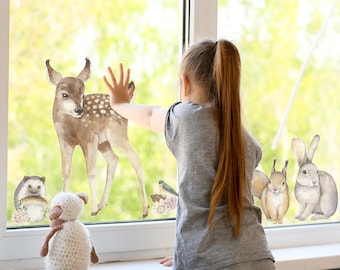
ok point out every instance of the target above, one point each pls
(90, 122)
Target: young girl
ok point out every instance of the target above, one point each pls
(217, 225)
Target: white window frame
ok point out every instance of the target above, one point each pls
(19, 248)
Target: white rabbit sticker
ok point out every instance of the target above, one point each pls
(315, 190)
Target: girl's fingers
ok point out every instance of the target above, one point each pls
(127, 78)
(112, 76)
(119, 90)
(167, 261)
(123, 80)
(107, 83)
(121, 73)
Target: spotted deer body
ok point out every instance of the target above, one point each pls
(90, 122)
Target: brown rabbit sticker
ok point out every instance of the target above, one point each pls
(315, 190)
(273, 193)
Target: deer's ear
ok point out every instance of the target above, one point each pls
(84, 75)
(53, 76)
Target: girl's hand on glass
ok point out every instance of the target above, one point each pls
(120, 91)
(167, 261)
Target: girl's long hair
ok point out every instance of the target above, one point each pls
(216, 66)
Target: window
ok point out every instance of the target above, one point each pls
(149, 44)
(275, 41)
(142, 34)
(150, 239)
(274, 47)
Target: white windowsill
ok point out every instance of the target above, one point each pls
(309, 257)
(299, 258)
(317, 257)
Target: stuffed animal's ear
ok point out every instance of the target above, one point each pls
(83, 196)
(94, 256)
(44, 248)
(55, 212)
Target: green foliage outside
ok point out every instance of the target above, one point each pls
(274, 38)
(141, 34)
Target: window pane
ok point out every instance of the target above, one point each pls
(275, 39)
(141, 34)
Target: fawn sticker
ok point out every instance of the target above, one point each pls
(90, 122)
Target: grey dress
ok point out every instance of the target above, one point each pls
(192, 135)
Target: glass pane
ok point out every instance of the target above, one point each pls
(141, 34)
(275, 39)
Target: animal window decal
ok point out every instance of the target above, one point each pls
(273, 193)
(165, 201)
(90, 122)
(315, 191)
(30, 200)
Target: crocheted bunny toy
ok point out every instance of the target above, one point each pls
(67, 246)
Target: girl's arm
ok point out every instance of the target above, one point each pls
(148, 116)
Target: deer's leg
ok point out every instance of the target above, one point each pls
(111, 161)
(66, 163)
(90, 154)
(125, 147)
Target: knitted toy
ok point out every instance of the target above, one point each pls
(67, 246)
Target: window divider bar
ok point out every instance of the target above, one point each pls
(203, 20)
